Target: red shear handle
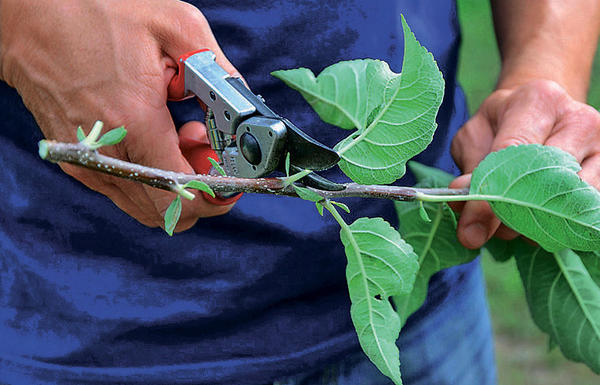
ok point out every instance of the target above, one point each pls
(197, 153)
(176, 88)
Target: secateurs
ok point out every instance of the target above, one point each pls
(249, 139)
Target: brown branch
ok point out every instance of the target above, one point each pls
(80, 155)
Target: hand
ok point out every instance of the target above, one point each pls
(78, 61)
(539, 111)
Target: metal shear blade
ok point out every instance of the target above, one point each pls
(250, 139)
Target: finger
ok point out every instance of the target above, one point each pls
(194, 130)
(505, 233)
(157, 145)
(189, 31)
(590, 170)
(472, 143)
(577, 145)
(477, 221)
(528, 117)
(577, 130)
(477, 224)
(460, 182)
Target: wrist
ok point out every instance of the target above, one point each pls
(547, 40)
(547, 66)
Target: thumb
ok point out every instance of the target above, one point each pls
(477, 222)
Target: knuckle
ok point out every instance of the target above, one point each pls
(583, 118)
(495, 98)
(515, 140)
(589, 116)
(191, 11)
(456, 150)
(455, 147)
(188, 17)
(545, 88)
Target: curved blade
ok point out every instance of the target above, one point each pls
(317, 181)
(306, 152)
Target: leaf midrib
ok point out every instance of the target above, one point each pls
(564, 270)
(434, 227)
(375, 121)
(502, 199)
(364, 278)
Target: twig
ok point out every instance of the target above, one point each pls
(80, 155)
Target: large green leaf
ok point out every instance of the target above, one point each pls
(535, 190)
(434, 242)
(344, 94)
(428, 176)
(380, 265)
(498, 249)
(436, 245)
(394, 114)
(591, 260)
(564, 299)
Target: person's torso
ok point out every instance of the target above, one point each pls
(87, 291)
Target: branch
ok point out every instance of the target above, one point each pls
(81, 155)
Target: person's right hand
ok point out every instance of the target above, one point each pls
(77, 61)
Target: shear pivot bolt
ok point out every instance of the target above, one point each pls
(250, 148)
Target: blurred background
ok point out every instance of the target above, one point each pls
(521, 349)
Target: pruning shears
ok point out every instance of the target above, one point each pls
(249, 139)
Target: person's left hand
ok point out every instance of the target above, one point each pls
(539, 111)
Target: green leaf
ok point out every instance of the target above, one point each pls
(380, 265)
(295, 177)
(319, 208)
(342, 206)
(498, 249)
(345, 93)
(451, 214)
(394, 114)
(172, 215)
(433, 177)
(198, 185)
(564, 300)
(94, 133)
(80, 134)
(551, 344)
(535, 190)
(423, 213)
(217, 166)
(436, 245)
(308, 195)
(591, 260)
(112, 137)
(287, 164)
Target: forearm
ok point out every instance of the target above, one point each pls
(547, 39)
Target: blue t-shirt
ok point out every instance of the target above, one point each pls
(87, 293)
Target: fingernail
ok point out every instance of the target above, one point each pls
(476, 233)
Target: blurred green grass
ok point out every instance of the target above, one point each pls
(521, 349)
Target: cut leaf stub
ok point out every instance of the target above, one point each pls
(394, 114)
(535, 190)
